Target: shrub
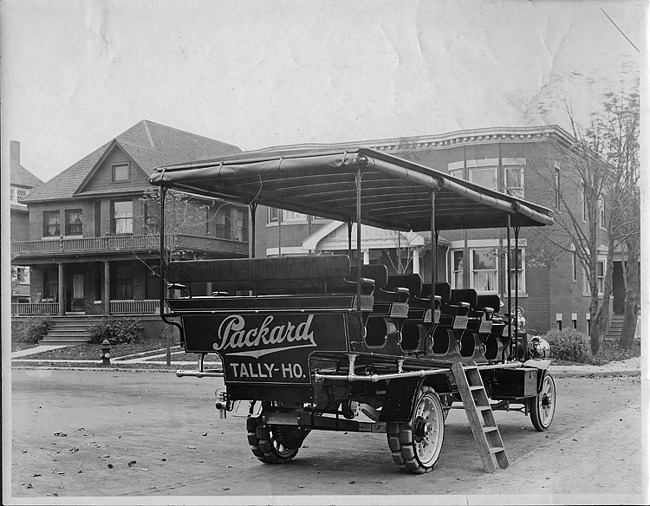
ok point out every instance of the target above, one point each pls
(118, 331)
(31, 330)
(569, 344)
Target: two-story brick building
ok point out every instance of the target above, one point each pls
(533, 163)
(93, 229)
(21, 183)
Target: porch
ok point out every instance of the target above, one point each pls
(24, 250)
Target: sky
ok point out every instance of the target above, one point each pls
(75, 74)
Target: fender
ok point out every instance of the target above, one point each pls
(401, 394)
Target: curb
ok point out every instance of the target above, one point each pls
(116, 368)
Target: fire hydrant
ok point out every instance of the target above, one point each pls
(106, 352)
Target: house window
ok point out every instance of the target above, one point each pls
(241, 224)
(122, 217)
(78, 286)
(152, 282)
(20, 275)
(574, 264)
(514, 181)
(457, 278)
(98, 219)
(224, 223)
(51, 224)
(122, 283)
(484, 269)
(121, 173)
(152, 217)
(602, 220)
(484, 176)
(273, 215)
(50, 285)
(73, 222)
(99, 282)
(600, 279)
(459, 173)
(293, 216)
(517, 270)
(600, 276)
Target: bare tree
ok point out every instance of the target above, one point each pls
(401, 256)
(183, 213)
(602, 167)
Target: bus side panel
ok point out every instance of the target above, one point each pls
(266, 347)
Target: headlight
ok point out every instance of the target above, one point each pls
(539, 348)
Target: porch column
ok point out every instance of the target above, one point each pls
(60, 297)
(107, 288)
(366, 257)
(416, 261)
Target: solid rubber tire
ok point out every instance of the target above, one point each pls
(404, 446)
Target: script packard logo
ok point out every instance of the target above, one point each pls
(233, 334)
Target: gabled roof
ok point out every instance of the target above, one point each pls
(20, 176)
(147, 143)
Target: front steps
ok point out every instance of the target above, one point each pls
(615, 328)
(69, 330)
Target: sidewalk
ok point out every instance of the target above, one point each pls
(630, 367)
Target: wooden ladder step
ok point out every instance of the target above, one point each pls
(490, 429)
(497, 450)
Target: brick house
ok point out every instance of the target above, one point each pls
(93, 240)
(530, 162)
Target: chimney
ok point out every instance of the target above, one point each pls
(14, 152)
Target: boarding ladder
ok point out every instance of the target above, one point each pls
(480, 416)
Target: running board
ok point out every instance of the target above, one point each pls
(319, 422)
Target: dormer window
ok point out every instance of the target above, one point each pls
(121, 173)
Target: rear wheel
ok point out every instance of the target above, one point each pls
(274, 444)
(416, 444)
(542, 407)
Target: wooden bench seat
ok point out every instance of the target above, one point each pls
(290, 275)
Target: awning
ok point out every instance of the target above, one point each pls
(395, 193)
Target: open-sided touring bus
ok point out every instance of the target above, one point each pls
(323, 342)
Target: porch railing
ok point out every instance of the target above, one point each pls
(149, 242)
(134, 306)
(34, 308)
(116, 307)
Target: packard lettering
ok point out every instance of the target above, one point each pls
(234, 335)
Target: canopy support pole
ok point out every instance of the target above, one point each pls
(357, 179)
(350, 238)
(509, 320)
(434, 252)
(252, 208)
(163, 267)
(516, 260)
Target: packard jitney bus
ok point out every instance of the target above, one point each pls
(324, 342)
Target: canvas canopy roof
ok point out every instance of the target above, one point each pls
(395, 193)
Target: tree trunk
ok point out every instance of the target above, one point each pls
(629, 320)
(632, 296)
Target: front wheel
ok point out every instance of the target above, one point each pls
(542, 407)
(274, 444)
(416, 444)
